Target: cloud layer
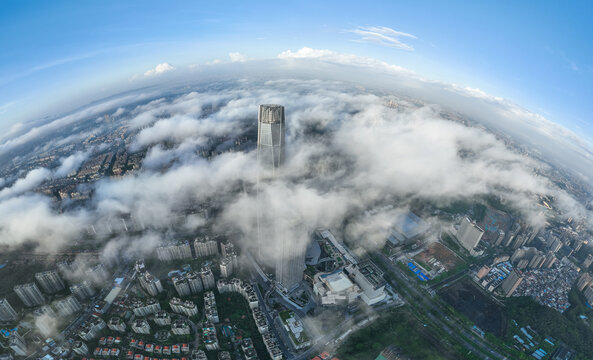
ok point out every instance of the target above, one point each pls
(349, 149)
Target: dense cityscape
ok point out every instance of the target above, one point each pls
(296, 181)
(202, 295)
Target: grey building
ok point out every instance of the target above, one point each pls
(270, 135)
(205, 246)
(50, 281)
(469, 234)
(510, 284)
(7, 313)
(17, 344)
(29, 294)
(83, 290)
(67, 306)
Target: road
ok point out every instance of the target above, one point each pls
(452, 328)
(284, 347)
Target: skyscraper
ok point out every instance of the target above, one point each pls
(270, 136)
(289, 256)
(29, 294)
(7, 313)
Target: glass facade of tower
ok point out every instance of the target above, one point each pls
(270, 136)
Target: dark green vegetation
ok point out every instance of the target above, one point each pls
(567, 327)
(401, 328)
(233, 310)
(467, 299)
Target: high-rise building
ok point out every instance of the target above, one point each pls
(469, 234)
(29, 294)
(17, 343)
(180, 327)
(116, 324)
(181, 286)
(67, 306)
(162, 318)
(150, 283)
(83, 290)
(584, 280)
(50, 281)
(588, 261)
(141, 326)
(7, 313)
(290, 263)
(207, 278)
(226, 266)
(195, 282)
(205, 246)
(510, 284)
(270, 136)
(175, 251)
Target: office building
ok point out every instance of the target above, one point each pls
(270, 136)
(290, 264)
(67, 306)
(50, 281)
(205, 246)
(29, 294)
(510, 284)
(369, 279)
(469, 235)
(588, 261)
(7, 313)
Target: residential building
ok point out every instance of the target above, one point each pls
(50, 281)
(29, 294)
(7, 312)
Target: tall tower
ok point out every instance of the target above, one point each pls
(270, 136)
(289, 258)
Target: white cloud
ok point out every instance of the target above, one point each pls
(159, 69)
(33, 178)
(341, 58)
(383, 35)
(71, 163)
(237, 57)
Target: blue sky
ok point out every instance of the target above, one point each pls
(538, 54)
